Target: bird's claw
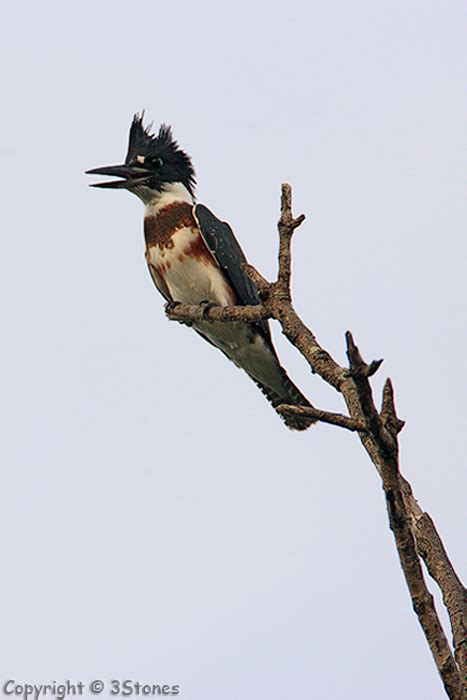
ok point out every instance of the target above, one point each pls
(170, 306)
(206, 304)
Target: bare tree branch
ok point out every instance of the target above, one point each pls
(323, 416)
(440, 568)
(414, 531)
(287, 225)
(238, 314)
(388, 410)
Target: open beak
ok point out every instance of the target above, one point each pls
(131, 175)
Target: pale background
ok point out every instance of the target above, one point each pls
(158, 522)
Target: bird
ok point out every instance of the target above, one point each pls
(194, 258)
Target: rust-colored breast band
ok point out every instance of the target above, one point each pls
(158, 230)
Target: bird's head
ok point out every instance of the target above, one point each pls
(153, 163)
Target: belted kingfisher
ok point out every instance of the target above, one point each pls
(194, 258)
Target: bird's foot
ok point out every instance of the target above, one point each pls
(206, 304)
(170, 306)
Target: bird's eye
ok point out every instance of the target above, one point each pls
(155, 162)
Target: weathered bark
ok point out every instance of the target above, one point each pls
(414, 532)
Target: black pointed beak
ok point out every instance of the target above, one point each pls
(131, 175)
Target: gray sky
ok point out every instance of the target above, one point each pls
(158, 522)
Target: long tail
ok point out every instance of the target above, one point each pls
(291, 395)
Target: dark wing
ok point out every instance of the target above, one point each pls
(226, 250)
(222, 243)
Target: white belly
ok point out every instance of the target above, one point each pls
(189, 279)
